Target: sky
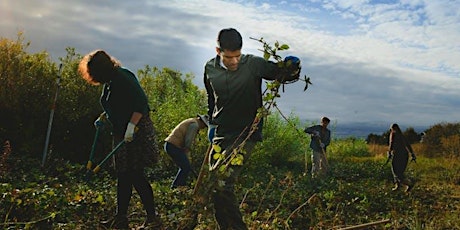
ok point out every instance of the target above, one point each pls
(371, 61)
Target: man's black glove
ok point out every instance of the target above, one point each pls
(292, 67)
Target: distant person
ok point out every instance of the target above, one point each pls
(399, 150)
(126, 107)
(422, 135)
(320, 139)
(233, 83)
(178, 144)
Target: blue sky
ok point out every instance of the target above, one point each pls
(376, 62)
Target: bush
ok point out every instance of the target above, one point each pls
(28, 87)
(282, 143)
(441, 140)
(349, 147)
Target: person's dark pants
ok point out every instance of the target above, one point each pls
(136, 179)
(180, 159)
(399, 165)
(226, 206)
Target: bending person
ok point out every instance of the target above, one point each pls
(178, 144)
(126, 107)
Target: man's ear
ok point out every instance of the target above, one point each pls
(218, 50)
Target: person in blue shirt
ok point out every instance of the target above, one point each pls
(178, 144)
(320, 139)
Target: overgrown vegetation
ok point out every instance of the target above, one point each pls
(274, 191)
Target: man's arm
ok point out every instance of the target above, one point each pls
(312, 130)
(210, 94)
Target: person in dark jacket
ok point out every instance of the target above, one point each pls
(233, 83)
(126, 108)
(178, 144)
(399, 150)
(320, 139)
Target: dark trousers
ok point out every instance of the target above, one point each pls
(136, 179)
(226, 206)
(398, 166)
(180, 159)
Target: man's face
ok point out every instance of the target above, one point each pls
(324, 123)
(230, 58)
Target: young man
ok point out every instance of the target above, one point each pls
(233, 83)
(320, 139)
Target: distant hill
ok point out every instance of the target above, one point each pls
(362, 130)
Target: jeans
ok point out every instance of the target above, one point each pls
(180, 159)
(319, 163)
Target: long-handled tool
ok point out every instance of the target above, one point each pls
(50, 122)
(89, 165)
(98, 167)
(326, 163)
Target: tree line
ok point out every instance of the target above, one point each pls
(28, 84)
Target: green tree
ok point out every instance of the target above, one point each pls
(436, 138)
(28, 83)
(26, 86)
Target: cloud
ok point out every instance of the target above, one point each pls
(375, 62)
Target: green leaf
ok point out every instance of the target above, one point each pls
(284, 47)
(266, 55)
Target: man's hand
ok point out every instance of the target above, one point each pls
(129, 134)
(322, 145)
(292, 63)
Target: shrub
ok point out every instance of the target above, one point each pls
(349, 147)
(440, 139)
(282, 142)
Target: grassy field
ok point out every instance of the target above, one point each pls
(356, 191)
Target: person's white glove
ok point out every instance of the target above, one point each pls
(129, 134)
(322, 145)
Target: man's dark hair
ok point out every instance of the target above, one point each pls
(229, 39)
(325, 119)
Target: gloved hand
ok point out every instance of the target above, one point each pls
(292, 63)
(211, 132)
(101, 120)
(321, 145)
(129, 134)
(414, 159)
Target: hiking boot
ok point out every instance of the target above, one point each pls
(152, 222)
(116, 222)
(395, 187)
